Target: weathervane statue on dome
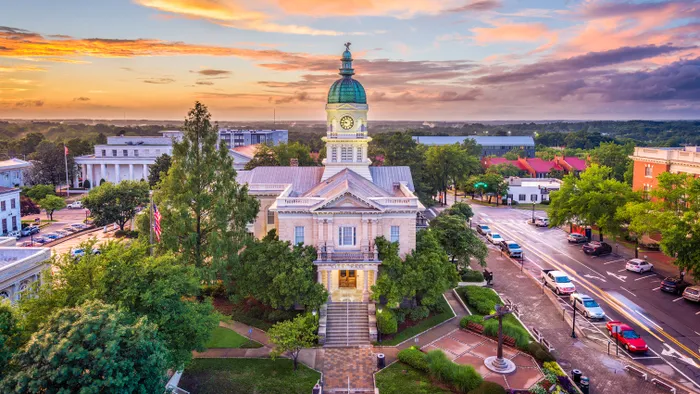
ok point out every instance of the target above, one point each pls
(347, 45)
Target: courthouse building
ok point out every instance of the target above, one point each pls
(341, 207)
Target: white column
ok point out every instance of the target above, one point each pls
(116, 171)
(103, 171)
(366, 280)
(145, 171)
(90, 176)
(131, 172)
(319, 276)
(328, 281)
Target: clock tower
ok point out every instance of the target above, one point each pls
(346, 124)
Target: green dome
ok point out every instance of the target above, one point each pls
(346, 89)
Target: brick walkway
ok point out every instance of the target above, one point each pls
(605, 372)
(349, 367)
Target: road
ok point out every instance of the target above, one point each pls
(669, 324)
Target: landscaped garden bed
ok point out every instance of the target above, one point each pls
(410, 327)
(252, 312)
(245, 376)
(400, 378)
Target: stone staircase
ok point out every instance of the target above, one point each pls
(347, 324)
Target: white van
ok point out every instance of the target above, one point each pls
(542, 222)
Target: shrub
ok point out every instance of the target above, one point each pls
(439, 366)
(487, 387)
(481, 300)
(478, 319)
(418, 313)
(126, 234)
(386, 322)
(400, 315)
(465, 378)
(461, 377)
(470, 275)
(522, 337)
(440, 306)
(539, 352)
(554, 367)
(414, 357)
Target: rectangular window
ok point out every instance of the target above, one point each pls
(334, 155)
(345, 154)
(4, 226)
(347, 236)
(146, 152)
(359, 155)
(270, 217)
(114, 152)
(12, 203)
(647, 171)
(3, 206)
(157, 152)
(394, 233)
(533, 197)
(104, 152)
(14, 223)
(298, 235)
(521, 197)
(126, 153)
(136, 153)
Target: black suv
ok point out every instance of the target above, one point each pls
(597, 248)
(674, 284)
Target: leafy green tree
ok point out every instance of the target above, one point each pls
(505, 170)
(49, 166)
(496, 186)
(279, 275)
(204, 209)
(614, 156)
(638, 218)
(462, 209)
(514, 154)
(159, 168)
(160, 288)
(592, 199)
(449, 165)
(50, 204)
(93, 348)
(285, 152)
(264, 156)
(459, 241)
(27, 206)
(292, 336)
(10, 335)
(110, 203)
(39, 192)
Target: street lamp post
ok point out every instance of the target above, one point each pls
(573, 325)
(533, 212)
(379, 311)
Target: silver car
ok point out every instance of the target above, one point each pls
(587, 306)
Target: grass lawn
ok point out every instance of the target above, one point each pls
(223, 337)
(247, 376)
(400, 378)
(528, 207)
(423, 325)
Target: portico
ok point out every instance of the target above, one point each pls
(348, 281)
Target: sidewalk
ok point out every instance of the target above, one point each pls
(605, 373)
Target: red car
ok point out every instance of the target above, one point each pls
(629, 339)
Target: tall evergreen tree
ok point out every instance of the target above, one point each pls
(204, 210)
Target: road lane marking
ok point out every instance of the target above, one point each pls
(618, 277)
(594, 277)
(644, 277)
(677, 299)
(614, 261)
(676, 369)
(628, 291)
(698, 313)
(656, 288)
(622, 270)
(649, 320)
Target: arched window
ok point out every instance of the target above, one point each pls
(4, 296)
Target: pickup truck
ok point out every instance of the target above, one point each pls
(558, 281)
(75, 205)
(628, 338)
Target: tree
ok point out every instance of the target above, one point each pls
(91, 348)
(449, 165)
(279, 275)
(264, 157)
(159, 168)
(110, 203)
(505, 170)
(462, 209)
(494, 185)
(27, 206)
(614, 156)
(592, 199)
(39, 192)
(459, 241)
(292, 336)
(10, 335)
(285, 152)
(514, 154)
(50, 204)
(49, 166)
(204, 209)
(160, 288)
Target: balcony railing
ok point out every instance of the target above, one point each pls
(347, 256)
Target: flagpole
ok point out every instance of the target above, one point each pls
(150, 221)
(65, 159)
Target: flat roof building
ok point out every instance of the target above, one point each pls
(20, 268)
(12, 172)
(236, 138)
(490, 145)
(649, 163)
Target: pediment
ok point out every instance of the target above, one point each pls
(347, 201)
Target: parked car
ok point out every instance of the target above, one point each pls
(576, 238)
(587, 306)
(494, 238)
(692, 293)
(69, 229)
(41, 240)
(51, 236)
(512, 248)
(483, 229)
(62, 233)
(542, 222)
(75, 205)
(558, 281)
(26, 244)
(35, 229)
(27, 231)
(596, 248)
(629, 339)
(16, 233)
(78, 226)
(639, 265)
(674, 284)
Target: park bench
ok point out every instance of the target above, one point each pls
(477, 328)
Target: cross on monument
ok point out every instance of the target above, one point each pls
(498, 363)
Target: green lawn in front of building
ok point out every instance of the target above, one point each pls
(423, 325)
(223, 337)
(400, 378)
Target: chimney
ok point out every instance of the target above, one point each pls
(294, 162)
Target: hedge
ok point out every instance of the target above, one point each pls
(478, 319)
(470, 275)
(480, 299)
(463, 378)
(487, 387)
(539, 352)
(414, 357)
(522, 337)
(386, 322)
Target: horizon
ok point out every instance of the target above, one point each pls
(460, 61)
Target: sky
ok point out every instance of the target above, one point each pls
(425, 60)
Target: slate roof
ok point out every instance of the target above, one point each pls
(385, 177)
(347, 181)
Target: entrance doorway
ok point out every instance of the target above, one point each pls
(347, 278)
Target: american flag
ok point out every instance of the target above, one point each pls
(156, 222)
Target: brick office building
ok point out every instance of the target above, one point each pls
(649, 163)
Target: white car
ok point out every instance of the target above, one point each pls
(494, 238)
(558, 281)
(75, 205)
(587, 306)
(639, 265)
(542, 222)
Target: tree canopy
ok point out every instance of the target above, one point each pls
(159, 169)
(292, 336)
(615, 157)
(110, 203)
(459, 241)
(51, 203)
(38, 192)
(281, 155)
(450, 165)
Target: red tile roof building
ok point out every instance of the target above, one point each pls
(538, 168)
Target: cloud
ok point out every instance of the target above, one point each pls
(211, 72)
(29, 103)
(158, 81)
(296, 97)
(578, 63)
(204, 83)
(412, 96)
(523, 32)
(478, 5)
(20, 67)
(81, 98)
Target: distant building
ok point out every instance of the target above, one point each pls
(490, 145)
(649, 163)
(20, 268)
(10, 219)
(236, 138)
(538, 168)
(12, 172)
(242, 155)
(529, 190)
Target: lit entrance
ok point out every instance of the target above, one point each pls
(347, 278)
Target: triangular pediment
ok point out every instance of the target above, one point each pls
(347, 201)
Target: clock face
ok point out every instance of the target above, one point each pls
(346, 122)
